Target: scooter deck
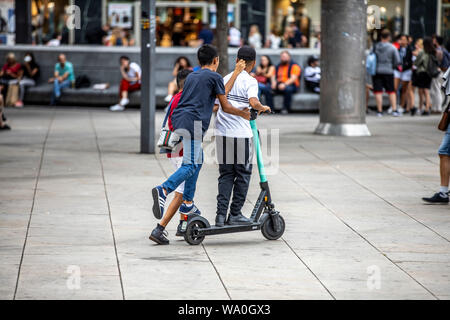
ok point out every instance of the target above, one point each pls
(228, 229)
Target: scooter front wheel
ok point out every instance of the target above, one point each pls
(191, 235)
(268, 228)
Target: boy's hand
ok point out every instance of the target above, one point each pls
(240, 66)
(265, 109)
(246, 114)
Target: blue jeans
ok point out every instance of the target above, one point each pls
(444, 149)
(189, 170)
(266, 91)
(287, 93)
(57, 87)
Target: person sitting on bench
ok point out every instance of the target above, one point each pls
(287, 80)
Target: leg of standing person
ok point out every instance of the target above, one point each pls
(243, 173)
(421, 99)
(225, 188)
(435, 94)
(427, 100)
(225, 181)
(442, 197)
(444, 167)
(379, 101)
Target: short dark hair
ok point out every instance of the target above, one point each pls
(206, 54)
(385, 34)
(124, 58)
(181, 76)
(312, 59)
(247, 53)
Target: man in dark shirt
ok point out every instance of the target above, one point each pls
(206, 35)
(191, 120)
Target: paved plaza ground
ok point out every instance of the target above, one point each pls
(75, 215)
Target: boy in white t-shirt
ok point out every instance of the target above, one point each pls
(234, 146)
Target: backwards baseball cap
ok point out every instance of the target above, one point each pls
(247, 53)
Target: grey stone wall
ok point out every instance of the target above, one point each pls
(101, 64)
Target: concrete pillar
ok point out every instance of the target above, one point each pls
(148, 60)
(342, 97)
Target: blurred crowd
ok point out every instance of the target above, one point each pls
(409, 71)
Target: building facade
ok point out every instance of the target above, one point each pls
(179, 21)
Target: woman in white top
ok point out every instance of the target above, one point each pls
(254, 37)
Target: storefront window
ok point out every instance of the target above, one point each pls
(48, 22)
(291, 21)
(7, 22)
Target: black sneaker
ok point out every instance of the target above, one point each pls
(159, 236)
(413, 111)
(5, 127)
(238, 220)
(220, 220)
(181, 229)
(426, 113)
(437, 198)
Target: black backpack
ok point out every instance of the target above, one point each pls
(433, 66)
(82, 82)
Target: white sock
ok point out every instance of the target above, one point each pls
(189, 204)
(443, 190)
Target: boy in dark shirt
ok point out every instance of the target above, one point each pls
(191, 120)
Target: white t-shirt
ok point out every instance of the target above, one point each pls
(133, 70)
(228, 125)
(275, 41)
(312, 74)
(235, 37)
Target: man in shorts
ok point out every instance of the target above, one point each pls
(387, 61)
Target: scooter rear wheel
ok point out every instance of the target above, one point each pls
(268, 229)
(191, 235)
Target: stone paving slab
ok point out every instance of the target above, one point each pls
(352, 207)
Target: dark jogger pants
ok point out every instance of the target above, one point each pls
(235, 168)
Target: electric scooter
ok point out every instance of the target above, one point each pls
(264, 217)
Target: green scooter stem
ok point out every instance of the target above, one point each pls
(259, 158)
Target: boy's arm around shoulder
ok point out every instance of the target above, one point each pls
(228, 108)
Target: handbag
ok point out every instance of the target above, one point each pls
(371, 62)
(13, 95)
(168, 139)
(445, 120)
(261, 79)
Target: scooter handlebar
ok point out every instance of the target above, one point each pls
(254, 113)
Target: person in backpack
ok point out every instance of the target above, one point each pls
(387, 61)
(423, 76)
(287, 79)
